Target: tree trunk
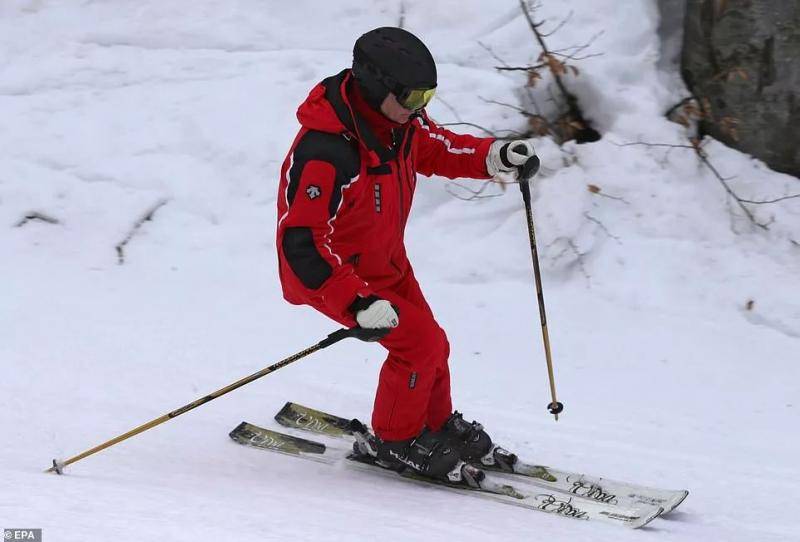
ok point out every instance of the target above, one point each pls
(741, 58)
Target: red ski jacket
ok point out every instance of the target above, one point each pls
(345, 196)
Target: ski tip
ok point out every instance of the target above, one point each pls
(681, 496)
(284, 412)
(234, 434)
(647, 517)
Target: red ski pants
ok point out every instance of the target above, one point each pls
(414, 383)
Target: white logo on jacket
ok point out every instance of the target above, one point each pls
(313, 191)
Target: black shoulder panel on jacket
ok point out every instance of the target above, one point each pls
(341, 153)
(302, 256)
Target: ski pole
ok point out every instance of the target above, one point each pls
(336, 336)
(527, 171)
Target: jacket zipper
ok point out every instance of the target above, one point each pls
(401, 175)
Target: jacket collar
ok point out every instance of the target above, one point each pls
(336, 93)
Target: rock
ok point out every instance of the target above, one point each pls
(742, 59)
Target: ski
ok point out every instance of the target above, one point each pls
(251, 435)
(505, 463)
(474, 481)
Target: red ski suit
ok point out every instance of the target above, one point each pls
(346, 189)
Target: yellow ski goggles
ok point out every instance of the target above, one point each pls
(416, 98)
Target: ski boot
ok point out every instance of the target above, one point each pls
(469, 439)
(429, 454)
(475, 446)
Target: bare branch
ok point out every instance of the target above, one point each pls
(450, 107)
(678, 105)
(574, 56)
(517, 108)
(646, 144)
(492, 53)
(146, 217)
(474, 194)
(487, 131)
(572, 102)
(560, 25)
(509, 134)
(402, 19)
(572, 52)
(697, 147)
(776, 200)
(520, 68)
(724, 182)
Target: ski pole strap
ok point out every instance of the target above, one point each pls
(360, 333)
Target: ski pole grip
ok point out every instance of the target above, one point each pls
(528, 169)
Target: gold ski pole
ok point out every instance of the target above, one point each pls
(526, 172)
(336, 336)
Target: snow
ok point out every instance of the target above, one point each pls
(110, 108)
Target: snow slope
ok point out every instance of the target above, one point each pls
(112, 109)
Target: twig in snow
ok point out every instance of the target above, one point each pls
(402, 21)
(36, 215)
(146, 217)
(597, 191)
(570, 245)
(602, 226)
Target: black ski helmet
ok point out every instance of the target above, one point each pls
(390, 59)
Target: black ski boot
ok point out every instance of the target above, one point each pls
(469, 439)
(429, 454)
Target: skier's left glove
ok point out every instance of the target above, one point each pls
(375, 313)
(508, 156)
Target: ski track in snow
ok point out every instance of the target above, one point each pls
(667, 377)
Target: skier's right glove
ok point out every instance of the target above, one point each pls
(375, 313)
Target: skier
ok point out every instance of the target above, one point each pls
(345, 193)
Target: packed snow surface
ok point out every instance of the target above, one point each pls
(675, 322)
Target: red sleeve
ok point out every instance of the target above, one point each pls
(442, 152)
(307, 226)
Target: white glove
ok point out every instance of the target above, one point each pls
(508, 156)
(379, 314)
